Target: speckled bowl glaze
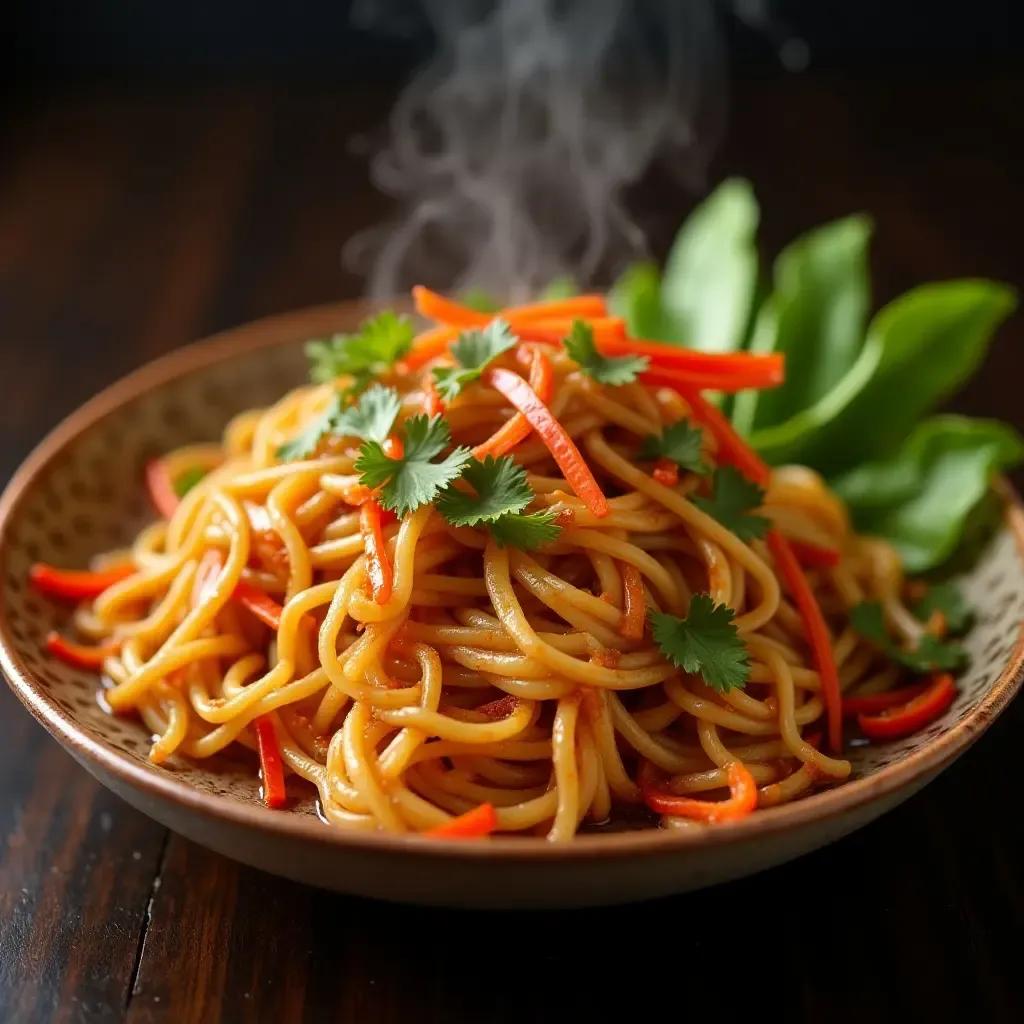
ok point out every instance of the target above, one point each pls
(80, 492)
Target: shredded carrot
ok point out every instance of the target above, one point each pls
(741, 801)
(565, 453)
(433, 403)
(731, 447)
(271, 766)
(264, 607)
(80, 655)
(770, 366)
(393, 447)
(873, 703)
(937, 624)
(475, 824)
(161, 488)
(75, 584)
(814, 556)
(904, 719)
(634, 612)
(578, 307)
(666, 472)
(446, 311)
(727, 380)
(377, 561)
(817, 632)
(518, 428)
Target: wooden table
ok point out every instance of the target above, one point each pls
(133, 221)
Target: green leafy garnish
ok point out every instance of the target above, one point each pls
(612, 370)
(930, 655)
(414, 479)
(500, 486)
(187, 480)
(921, 498)
(731, 502)
(947, 599)
(706, 641)
(472, 351)
(369, 419)
(680, 443)
(381, 341)
(501, 494)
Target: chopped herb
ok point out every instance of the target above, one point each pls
(612, 370)
(679, 443)
(524, 530)
(187, 480)
(369, 419)
(947, 599)
(732, 500)
(930, 655)
(500, 486)
(381, 341)
(472, 351)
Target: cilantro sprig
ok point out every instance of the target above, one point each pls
(472, 351)
(930, 655)
(680, 443)
(946, 598)
(732, 500)
(369, 419)
(414, 479)
(705, 641)
(380, 342)
(500, 493)
(611, 370)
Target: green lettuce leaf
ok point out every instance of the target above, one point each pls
(815, 316)
(920, 498)
(919, 349)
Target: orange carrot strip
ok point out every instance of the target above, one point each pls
(728, 380)
(436, 307)
(817, 632)
(634, 612)
(916, 713)
(80, 655)
(264, 607)
(377, 562)
(161, 488)
(770, 366)
(271, 766)
(557, 329)
(446, 311)
(873, 703)
(75, 584)
(741, 801)
(474, 824)
(433, 403)
(518, 428)
(666, 472)
(576, 472)
(814, 556)
(731, 447)
(579, 307)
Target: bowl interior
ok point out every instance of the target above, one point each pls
(82, 493)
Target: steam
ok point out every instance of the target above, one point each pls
(512, 151)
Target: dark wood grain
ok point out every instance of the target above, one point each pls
(131, 223)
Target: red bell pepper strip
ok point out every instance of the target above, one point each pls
(264, 607)
(75, 584)
(576, 472)
(475, 824)
(271, 766)
(377, 561)
(873, 703)
(741, 801)
(731, 447)
(814, 556)
(518, 428)
(817, 632)
(161, 488)
(919, 711)
(80, 655)
(727, 378)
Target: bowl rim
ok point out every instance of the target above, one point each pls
(288, 329)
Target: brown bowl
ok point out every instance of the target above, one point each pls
(80, 492)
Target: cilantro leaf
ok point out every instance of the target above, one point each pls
(706, 641)
(414, 479)
(680, 443)
(611, 370)
(372, 417)
(381, 341)
(472, 351)
(500, 486)
(523, 530)
(733, 498)
(306, 441)
(946, 598)
(187, 480)
(930, 655)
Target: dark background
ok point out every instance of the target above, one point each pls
(171, 169)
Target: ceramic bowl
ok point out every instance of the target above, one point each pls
(80, 492)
